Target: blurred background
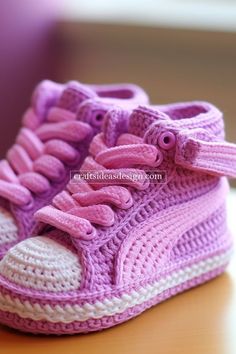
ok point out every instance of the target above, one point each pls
(178, 50)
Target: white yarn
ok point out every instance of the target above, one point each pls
(114, 305)
(8, 227)
(42, 264)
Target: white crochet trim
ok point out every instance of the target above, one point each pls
(8, 228)
(42, 264)
(115, 305)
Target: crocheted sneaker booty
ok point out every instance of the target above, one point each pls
(54, 139)
(119, 242)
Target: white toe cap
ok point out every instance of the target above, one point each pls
(41, 263)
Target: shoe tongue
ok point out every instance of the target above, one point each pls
(116, 122)
(141, 119)
(73, 95)
(120, 121)
(44, 97)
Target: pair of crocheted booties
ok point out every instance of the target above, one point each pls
(129, 200)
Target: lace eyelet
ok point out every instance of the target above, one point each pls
(97, 119)
(128, 203)
(89, 235)
(166, 140)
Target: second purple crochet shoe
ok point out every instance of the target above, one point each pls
(121, 240)
(54, 139)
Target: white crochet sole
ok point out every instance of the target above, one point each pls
(113, 305)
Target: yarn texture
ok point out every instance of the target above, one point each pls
(54, 139)
(114, 247)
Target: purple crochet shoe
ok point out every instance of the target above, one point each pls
(54, 139)
(146, 223)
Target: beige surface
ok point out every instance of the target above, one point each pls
(200, 321)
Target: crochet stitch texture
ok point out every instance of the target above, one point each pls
(113, 249)
(54, 138)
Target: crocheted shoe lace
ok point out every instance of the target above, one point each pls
(113, 247)
(54, 138)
